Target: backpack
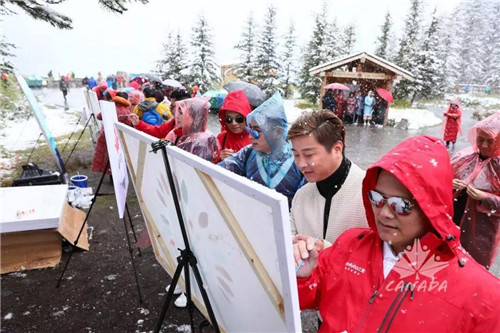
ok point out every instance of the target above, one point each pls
(152, 117)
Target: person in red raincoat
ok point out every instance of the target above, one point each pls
(476, 173)
(232, 117)
(100, 89)
(452, 123)
(407, 272)
(340, 109)
(101, 152)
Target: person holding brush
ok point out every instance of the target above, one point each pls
(330, 203)
(407, 272)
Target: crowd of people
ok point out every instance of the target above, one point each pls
(356, 109)
(353, 230)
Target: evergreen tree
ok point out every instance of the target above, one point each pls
(383, 41)
(267, 64)
(41, 10)
(407, 56)
(471, 50)
(349, 39)
(289, 61)
(313, 55)
(174, 63)
(430, 80)
(203, 70)
(244, 69)
(452, 40)
(491, 59)
(333, 46)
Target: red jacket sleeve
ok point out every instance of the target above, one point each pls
(159, 131)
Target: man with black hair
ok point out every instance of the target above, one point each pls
(331, 202)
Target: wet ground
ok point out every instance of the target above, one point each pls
(99, 293)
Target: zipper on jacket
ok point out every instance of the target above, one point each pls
(408, 287)
(372, 299)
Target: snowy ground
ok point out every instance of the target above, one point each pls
(417, 118)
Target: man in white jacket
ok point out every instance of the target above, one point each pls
(331, 202)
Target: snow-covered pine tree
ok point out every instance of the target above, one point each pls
(348, 39)
(203, 70)
(430, 80)
(408, 52)
(491, 59)
(471, 50)
(313, 55)
(244, 69)
(383, 41)
(289, 61)
(452, 40)
(333, 46)
(267, 64)
(174, 62)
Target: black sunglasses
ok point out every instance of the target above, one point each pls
(400, 206)
(238, 119)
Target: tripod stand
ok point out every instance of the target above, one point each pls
(126, 234)
(186, 261)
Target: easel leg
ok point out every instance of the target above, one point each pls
(170, 293)
(132, 227)
(133, 262)
(83, 224)
(77, 141)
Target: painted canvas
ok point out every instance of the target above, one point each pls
(116, 155)
(40, 118)
(238, 230)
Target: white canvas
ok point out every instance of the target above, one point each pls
(42, 207)
(238, 230)
(88, 113)
(116, 155)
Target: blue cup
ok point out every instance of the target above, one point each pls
(79, 180)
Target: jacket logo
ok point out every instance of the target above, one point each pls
(419, 261)
(350, 267)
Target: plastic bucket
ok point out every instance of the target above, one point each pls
(79, 180)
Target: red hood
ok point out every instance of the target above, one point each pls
(422, 165)
(235, 101)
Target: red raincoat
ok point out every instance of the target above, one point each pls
(235, 101)
(451, 293)
(481, 219)
(101, 151)
(453, 122)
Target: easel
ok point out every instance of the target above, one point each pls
(186, 258)
(81, 134)
(126, 234)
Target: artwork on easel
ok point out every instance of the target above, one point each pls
(238, 230)
(89, 112)
(40, 118)
(116, 155)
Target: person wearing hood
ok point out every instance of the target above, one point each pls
(101, 152)
(100, 89)
(319, 207)
(407, 272)
(232, 117)
(190, 132)
(269, 159)
(476, 173)
(162, 130)
(150, 111)
(452, 125)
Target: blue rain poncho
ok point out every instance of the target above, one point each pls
(276, 170)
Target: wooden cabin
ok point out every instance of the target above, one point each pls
(361, 71)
